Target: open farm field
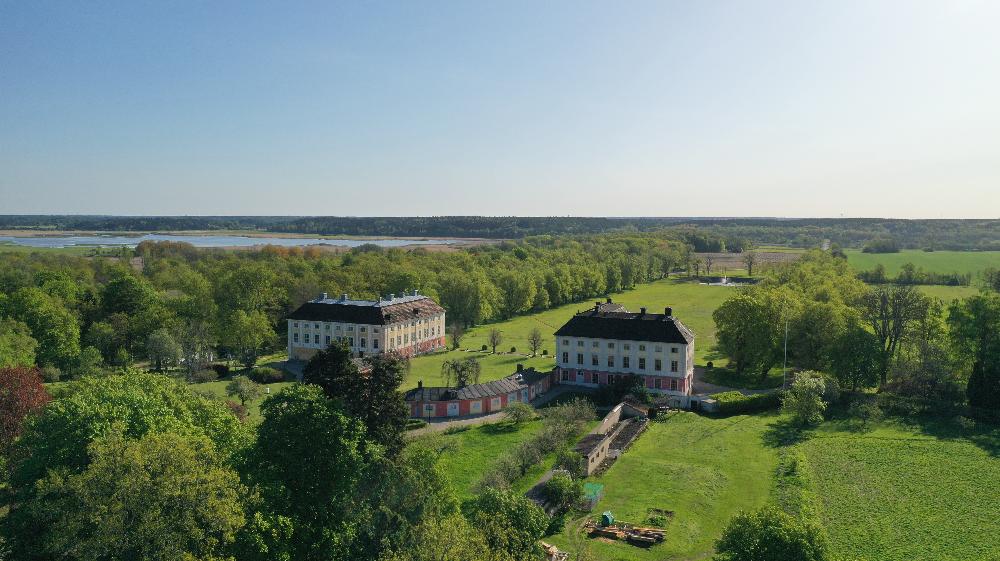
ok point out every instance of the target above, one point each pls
(900, 493)
(933, 261)
(704, 470)
(693, 303)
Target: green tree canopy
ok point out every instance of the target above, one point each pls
(771, 535)
(17, 346)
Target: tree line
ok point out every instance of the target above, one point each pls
(180, 306)
(879, 234)
(889, 336)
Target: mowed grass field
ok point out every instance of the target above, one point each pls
(898, 493)
(704, 470)
(218, 389)
(693, 304)
(935, 261)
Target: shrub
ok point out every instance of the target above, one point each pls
(519, 412)
(866, 411)
(773, 535)
(709, 365)
(222, 370)
(267, 375)
(457, 429)
(484, 348)
(51, 373)
(414, 424)
(562, 491)
(735, 403)
(513, 349)
(202, 376)
(569, 460)
(239, 410)
(805, 399)
(545, 352)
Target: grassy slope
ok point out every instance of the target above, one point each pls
(692, 303)
(936, 261)
(899, 493)
(705, 470)
(468, 455)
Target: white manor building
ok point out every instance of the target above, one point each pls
(598, 347)
(409, 324)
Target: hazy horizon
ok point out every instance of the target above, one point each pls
(763, 109)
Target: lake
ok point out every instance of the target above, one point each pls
(207, 241)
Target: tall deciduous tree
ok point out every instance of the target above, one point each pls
(162, 349)
(52, 325)
(457, 333)
(21, 393)
(17, 346)
(890, 311)
(494, 339)
(243, 388)
(511, 523)
(248, 333)
(461, 372)
(535, 340)
(374, 397)
(160, 498)
(975, 330)
(308, 462)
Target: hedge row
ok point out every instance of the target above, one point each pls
(735, 403)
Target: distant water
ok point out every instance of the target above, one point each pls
(205, 241)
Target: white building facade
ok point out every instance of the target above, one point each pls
(596, 348)
(409, 324)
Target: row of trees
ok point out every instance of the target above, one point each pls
(136, 466)
(181, 306)
(891, 336)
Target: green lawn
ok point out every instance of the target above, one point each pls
(907, 494)
(704, 470)
(949, 293)
(468, 455)
(218, 388)
(935, 261)
(692, 303)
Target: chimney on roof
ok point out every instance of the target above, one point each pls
(343, 297)
(416, 292)
(520, 367)
(391, 296)
(609, 300)
(668, 311)
(322, 296)
(642, 311)
(597, 306)
(420, 384)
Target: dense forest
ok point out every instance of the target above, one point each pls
(75, 314)
(798, 232)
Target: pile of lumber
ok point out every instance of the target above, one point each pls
(633, 534)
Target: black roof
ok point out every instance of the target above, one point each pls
(657, 328)
(367, 312)
(504, 386)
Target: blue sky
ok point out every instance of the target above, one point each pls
(743, 108)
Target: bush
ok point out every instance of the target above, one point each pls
(866, 411)
(51, 374)
(562, 491)
(484, 348)
(457, 429)
(414, 424)
(545, 352)
(222, 370)
(202, 376)
(519, 412)
(239, 410)
(266, 375)
(709, 365)
(735, 403)
(513, 349)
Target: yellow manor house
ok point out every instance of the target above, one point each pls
(409, 324)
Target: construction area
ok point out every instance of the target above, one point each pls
(610, 529)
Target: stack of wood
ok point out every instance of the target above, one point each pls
(632, 534)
